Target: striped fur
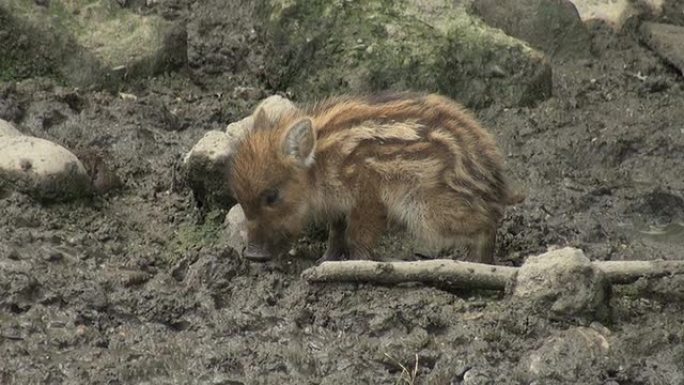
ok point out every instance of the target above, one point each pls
(417, 159)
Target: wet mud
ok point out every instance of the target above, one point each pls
(136, 287)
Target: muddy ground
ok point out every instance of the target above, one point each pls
(135, 287)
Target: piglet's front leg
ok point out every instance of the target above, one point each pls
(355, 237)
(365, 226)
(337, 244)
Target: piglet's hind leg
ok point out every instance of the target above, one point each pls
(483, 247)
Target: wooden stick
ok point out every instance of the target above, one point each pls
(454, 273)
(470, 275)
(621, 272)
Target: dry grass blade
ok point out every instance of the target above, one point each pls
(407, 377)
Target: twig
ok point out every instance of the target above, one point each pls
(454, 273)
(621, 272)
(470, 275)
(11, 337)
(637, 75)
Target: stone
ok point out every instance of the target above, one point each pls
(566, 355)
(42, 169)
(553, 26)
(562, 284)
(7, 129)
(236, 229)
(206, 164)
(377, 45)
(618, 13)
(665, 11)
(274, 106)
(666, 41)
(477, 376)
(87, 42)
(206, 170)
(237, 130)
(614, 12)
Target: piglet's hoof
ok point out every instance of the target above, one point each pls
(331, 256)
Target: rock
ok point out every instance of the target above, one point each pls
(274, 106)
(44, 170)
(666, 40)
(247, 93)
(52, 254)
(7, 129)
(477, 376)
(87, 42)
(563, 357)
(236, 229)
(334, 47)
(617, 13)
(666, 11)
(9, 252)
(206, 170)
(553, 26)
(614, 13)
(239, 129)
(206, 164)
(562, 284)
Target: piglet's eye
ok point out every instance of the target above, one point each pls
(271, 196)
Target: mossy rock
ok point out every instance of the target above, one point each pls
(25, 51)
(327, 47)
(553, 26)
(85, 42)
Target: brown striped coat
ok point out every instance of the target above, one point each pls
(358, 162)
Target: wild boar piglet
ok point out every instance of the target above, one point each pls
(355, 163)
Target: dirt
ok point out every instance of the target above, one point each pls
(135, 287)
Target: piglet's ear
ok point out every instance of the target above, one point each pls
(300, 142)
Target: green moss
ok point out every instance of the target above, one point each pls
(7, 71)
(113, 33)
(192, 237)
(352, 46)
(85, 42)
(331, 41)
(26, 51)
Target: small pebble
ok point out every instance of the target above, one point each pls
(476, 376)
(9, 252)
(53, 255)
(76, 239)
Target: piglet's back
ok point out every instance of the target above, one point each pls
(404, 134)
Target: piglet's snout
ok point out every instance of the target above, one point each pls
(256, 254)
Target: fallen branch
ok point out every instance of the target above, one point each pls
(621, 272)
(470, 275)
(455, 273)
